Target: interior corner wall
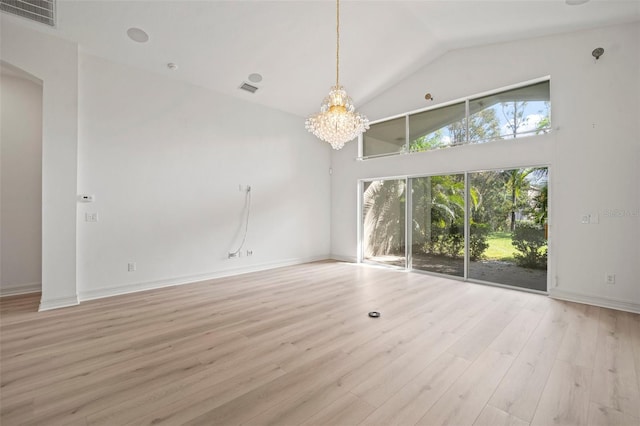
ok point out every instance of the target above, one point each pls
(164, 160)
(169, 163)
(55, 62)
(20, 185)
(593, 152)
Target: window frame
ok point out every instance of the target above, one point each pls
(406, 147)
(408, 179)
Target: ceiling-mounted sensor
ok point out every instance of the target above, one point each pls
(138, 35)
(255, 77)
(597, 52)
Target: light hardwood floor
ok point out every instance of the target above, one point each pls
(295, 346)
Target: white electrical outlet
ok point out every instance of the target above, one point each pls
(131, 267)
(91, 217)
(249, 252)
(610, 278)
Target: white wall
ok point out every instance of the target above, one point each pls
(55, 63)
(21, 184)
(165, 160)
(593, 154)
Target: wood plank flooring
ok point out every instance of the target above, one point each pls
(295, 346)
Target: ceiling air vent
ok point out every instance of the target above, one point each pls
(42, 11)
(248, 87)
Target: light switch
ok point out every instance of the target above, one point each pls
(590, 218)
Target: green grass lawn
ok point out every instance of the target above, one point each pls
(500, 247)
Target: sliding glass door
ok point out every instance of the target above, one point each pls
(438, 224)
(508, 238)
(488, 226)
(383, 222)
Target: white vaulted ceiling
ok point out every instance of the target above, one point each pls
(217, 44)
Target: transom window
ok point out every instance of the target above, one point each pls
(509, 114)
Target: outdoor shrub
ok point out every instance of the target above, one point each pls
(441, 245)
(478, 240)
(445, 241)
(528, 239)
(455, 241)
(435, 244)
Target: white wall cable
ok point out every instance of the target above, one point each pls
(246, 225)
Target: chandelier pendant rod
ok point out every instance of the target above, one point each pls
(337, 43)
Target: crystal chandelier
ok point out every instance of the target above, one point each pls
(337, 122)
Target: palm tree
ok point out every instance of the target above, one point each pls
(438, 212)
(516, 185)
(541, 204)
(438, 203)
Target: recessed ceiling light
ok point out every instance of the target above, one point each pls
(575, 2)
(255, 77)
(138, 35)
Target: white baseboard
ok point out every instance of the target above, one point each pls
(47, 305)
(20, 289)
(170, 282)
(341, 258)
(603, 302)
